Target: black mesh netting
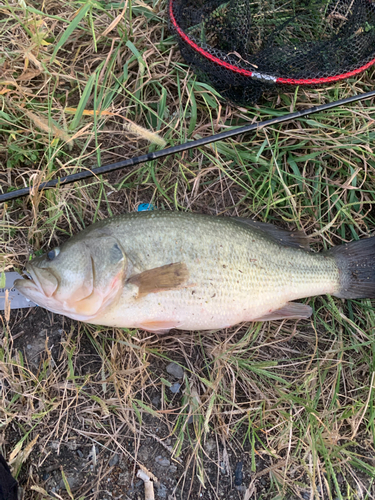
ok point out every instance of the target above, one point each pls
(243, 47)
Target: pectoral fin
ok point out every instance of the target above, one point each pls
(291, 310)
(160, 279)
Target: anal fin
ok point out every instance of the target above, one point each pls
(159, 327)
(291, 310)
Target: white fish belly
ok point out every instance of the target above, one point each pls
(211, 306)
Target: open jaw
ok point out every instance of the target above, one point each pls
(40, 287)
(32, 289)
(28, 286)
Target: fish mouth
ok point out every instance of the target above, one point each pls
(38, 285)
(32, 279)
(29, 287)
(33, 288)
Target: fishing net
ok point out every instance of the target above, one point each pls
(244, 47)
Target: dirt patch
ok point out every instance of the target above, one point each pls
(76, 454)
(91, 438)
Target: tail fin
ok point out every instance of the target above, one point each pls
(356, 263)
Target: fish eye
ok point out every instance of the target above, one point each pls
(53, 253)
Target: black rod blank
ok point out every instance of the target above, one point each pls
(105, 169)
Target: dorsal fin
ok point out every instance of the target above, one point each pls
(296, 239)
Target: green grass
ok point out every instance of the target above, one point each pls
(295, 399)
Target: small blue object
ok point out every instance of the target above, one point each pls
(175, 388)
(143, 207)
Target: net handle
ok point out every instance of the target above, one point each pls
(105, 169)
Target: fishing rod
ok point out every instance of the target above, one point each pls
(105, 169)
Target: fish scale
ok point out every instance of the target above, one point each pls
(160, 270)
(235, 273)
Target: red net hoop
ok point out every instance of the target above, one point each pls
(244, 47)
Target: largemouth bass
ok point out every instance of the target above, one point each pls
(161, 270)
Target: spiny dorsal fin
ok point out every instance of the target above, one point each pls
(160, 279)
(296, 239)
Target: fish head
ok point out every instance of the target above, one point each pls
(78, 279)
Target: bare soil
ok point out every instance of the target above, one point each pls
(97, 468)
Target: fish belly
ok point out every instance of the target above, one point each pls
(236, 274)
(217, 303)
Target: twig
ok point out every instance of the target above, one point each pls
(149, 485)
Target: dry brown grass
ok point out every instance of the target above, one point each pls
(293, 401)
